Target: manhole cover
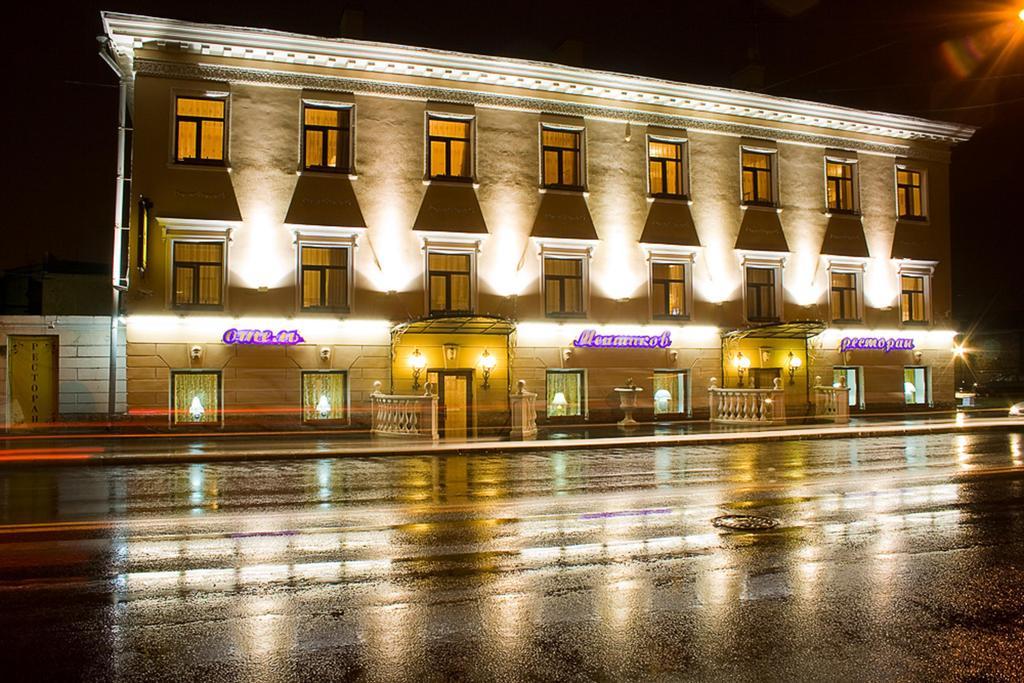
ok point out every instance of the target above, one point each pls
(745, 522)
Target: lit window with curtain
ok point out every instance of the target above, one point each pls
(448, 148)
(324, 395)
(912, 299)
(670, 392)
(563, 287)
(324, 274)
(839, 186)
(195, 396)
(199, 130)
(909, 198)
(560, 149)
(668, 290)
(757, 177)
(449, 282)
(565, 393)
(326, 135)
(844, 297)
(198, 275)
(665, 167)
(915, 385)
(761, 283)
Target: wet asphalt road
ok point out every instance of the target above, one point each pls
(894, 559)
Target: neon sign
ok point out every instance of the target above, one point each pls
(262, 337)
(590, 339)
(886, 344)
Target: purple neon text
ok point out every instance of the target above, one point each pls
(886, 344)
(591, 339)
(262, 337)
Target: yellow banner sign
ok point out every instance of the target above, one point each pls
(32, 374)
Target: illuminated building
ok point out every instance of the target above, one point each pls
(427, 218)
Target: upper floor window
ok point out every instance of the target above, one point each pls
(845, 298)
(909, 193)
(560, 149)
(198, 274)
(326, 138)
(757, 177)
(199, 130)
(839, 186)
(449, 152)
(762, 293)
(913, 298)
(665, 167)
(563, 286)
(324, 278)
(449, 282)
(668, 290)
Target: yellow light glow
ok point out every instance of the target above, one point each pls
(487, 361)
(1020, 14)
(417, 360)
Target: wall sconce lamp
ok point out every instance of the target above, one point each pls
(451, 351)
(742, 364)
(418, 361)
(487, 363)
(793, 364)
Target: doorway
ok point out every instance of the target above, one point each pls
(853, 375)
(455, 402)
(764, 378)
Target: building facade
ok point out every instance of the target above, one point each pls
(301, 218)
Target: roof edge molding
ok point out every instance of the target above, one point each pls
(130, 31)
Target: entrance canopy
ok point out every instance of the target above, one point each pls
(462, 324)
(798, 329)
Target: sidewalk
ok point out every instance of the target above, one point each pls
(238, 446)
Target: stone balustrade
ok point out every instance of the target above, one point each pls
(832, 402)
(747, 406)
(409, 416)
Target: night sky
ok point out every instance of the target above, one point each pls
(942, 59)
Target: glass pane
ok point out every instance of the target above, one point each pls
(332, 148)
(573, 296)
(323, 256)
(672, 185)
(337, 287)
(196, 398)
(438, 293)
(844, 279)
(314, 148)
(323, 395)
(756, 160)
(460, 159)
(676, 305)
(210, 109)
(322, 117)
(183, 289)
(449, 262)
(748, 186)
(665, 150)
(460, 292)
(560, 138)
(569, 175)
(550, 168)
(915, 391)
(902, 177)
(186, 140)
(213, 140)
(659, 300)
(764, 276)
(764, 184)
(437, 158)
(560, 266)
(552, 296)
(205, 252)
(310, 288)
(564, 394)
(449, 129)
(664, 271)
(657, 181)
(915, 205)
(669, 392)
(831, 190)
(209, 285)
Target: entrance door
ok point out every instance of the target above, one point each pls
(763, 378)
(32, 371)
(455, 399)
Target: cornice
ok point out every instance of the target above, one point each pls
(359, 86)
(130, 32)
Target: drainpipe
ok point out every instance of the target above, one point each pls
(122, 193)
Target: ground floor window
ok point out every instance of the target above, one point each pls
(915, 385)
(324, 395)
(195, 396)
(670, 392)
(565, 393)
(854, 380)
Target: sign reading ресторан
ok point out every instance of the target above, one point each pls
(886, 344)
(590, 339)
(262, 337)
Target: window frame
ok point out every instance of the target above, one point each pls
(584, 413)
(850, 162)
(346, 418)
(928, 401)
(772, 155)
(349, 148)
(173, 273)
(175, 129)
(687, 393)
(774, 264)
(448, 247)
(922, 188)
(684, 167)
(219, 374)
(847, 268)
(470, 140)
(580, 132)
(343, 308)
(566, 254)
(925, 272)
(685, 259)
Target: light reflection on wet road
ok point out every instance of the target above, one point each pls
(894, 558)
